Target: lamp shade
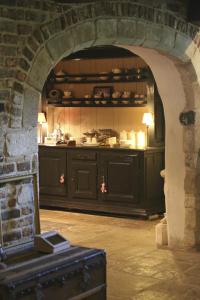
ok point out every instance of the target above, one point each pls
(147, 119)
(41, 118)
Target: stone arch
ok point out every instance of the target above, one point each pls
(157, 37)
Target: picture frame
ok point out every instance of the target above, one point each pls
(103, 92)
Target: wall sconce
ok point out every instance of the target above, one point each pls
(41, 121)
(148, 121)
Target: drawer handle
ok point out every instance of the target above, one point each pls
(62, 178)
(103, 187)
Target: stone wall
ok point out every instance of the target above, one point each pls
(17, 210)
(35, 34)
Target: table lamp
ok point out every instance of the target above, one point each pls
(148, 121)
(41, 120)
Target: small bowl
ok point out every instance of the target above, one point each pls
(115, 101)
(116, 71)
(116, 77)
(66, 102)
(87, 102)
(103, 102)
(87, 96)
(78, 78)
(67, 94)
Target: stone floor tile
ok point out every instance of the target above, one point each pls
(136, 269)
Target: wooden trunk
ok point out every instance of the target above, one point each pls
(74, 274)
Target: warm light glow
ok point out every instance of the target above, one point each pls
(132, 138)
(147, 119)
(141, 140)
(41, 118)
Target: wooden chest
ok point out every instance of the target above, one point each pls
(74, 274)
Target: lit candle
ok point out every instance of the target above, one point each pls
(132, 138)
(141, 139)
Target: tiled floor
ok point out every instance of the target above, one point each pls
(136, 269)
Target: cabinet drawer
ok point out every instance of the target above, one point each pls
(83, 155)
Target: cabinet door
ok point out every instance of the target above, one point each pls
(83, 176)
(120, 173)
(52, 171)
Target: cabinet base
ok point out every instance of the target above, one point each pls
(101, 208)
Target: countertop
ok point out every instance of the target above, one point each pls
(99, 147)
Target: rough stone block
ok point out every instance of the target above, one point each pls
(191, 181)
(35, 163)
(190, 239)
(3, 204)
(27, 220)
(153, 35)
(126, 30)
(35, 16)
(6, 72)
(4, 94)
(22, 142)
(190, 218)
(17, 99)
(181, 44)
(10, 39)
(18, 87)
(7, 168)
(40, 70)
(26, 210)
(16, 111)
(11, 62)
(58, 46)
(8, 26)
(10, 214)
(21, 76)
(2, 193)
(83, 33)
(12, 202)
(106, 29)
(15, 123)
(38, 36)
(189, 145)
(23, 166)
(28, 53)
(192, 202)
(32, 44)
(25, 197)
(24, 29)
(30, 108)
(55, 26)
(12, 236)
(4, 120)
(8, 51)
(27, 231)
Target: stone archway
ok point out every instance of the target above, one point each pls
(170, 47)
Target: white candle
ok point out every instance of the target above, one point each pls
(141, 139)
(123, 135)
(132, 135)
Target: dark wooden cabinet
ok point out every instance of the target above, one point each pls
(52, 171)
(121, 175)
(131, 177)
(83, 176)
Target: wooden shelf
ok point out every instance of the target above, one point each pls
(94, 102)
(133, 76)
